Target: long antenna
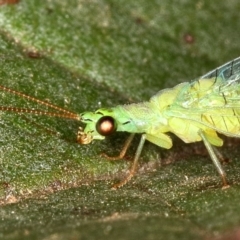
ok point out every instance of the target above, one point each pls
(63, 113)
(40, 112)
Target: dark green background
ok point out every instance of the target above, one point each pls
(83, 55)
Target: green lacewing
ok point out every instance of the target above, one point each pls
(194, 111)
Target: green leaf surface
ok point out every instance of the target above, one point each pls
(82, 55)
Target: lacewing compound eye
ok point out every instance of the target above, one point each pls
(106, 126)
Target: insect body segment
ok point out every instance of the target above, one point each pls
(103, 122)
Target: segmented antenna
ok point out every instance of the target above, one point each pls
(63, 113)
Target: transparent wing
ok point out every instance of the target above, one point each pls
(213, 99)
(228, 71)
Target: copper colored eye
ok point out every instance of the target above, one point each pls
(106, 126)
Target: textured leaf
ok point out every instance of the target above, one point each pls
(82, 55)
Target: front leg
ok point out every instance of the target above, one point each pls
(123, 151)
(133, 168)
